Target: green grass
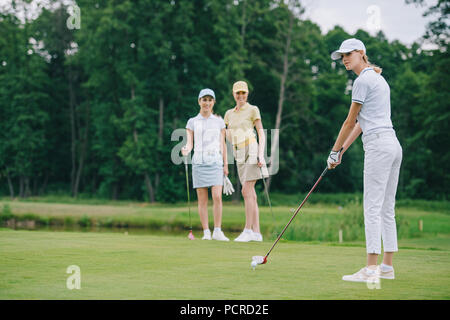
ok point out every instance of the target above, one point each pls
(277, 199)
(152, 258)
(119, 266)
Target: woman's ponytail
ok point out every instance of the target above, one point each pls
(376, 68)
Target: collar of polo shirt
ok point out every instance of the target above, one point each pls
(241, 108)
(205, 118)
(365, 69)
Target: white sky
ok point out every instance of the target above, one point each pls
(397, 20)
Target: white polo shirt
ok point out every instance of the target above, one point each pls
(372, 91)
(206, 139)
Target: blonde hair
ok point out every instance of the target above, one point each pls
(376, 68)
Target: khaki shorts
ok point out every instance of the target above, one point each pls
(247, 163)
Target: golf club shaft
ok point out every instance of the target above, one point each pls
(267, 193)
(187, 189)
(296, 211)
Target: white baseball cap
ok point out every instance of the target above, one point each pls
(206, 92)
(348, 46)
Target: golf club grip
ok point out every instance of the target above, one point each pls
(296, 211)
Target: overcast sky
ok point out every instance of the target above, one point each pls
(396, 19)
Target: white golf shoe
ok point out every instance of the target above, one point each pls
(387, 273)
(206, 235)
(219, 235)
(245, 236)
(257, 237)
(366, 275)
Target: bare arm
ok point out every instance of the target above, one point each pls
(348, 126)
(352, 137)
(224, 151)
(261, 140)
(189, 144)
(350, 130)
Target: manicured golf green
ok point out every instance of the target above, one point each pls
(126, 266)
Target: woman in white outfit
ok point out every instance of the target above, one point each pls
(370, 113)
(206, 133)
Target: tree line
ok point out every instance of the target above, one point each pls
(89, 111)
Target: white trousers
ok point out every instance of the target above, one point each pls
(382, 161)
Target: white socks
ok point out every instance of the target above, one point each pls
(248, 230)
(217, 229)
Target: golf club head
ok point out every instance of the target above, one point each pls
(191, 236)
(259, 259)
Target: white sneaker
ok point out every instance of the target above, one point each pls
(206, 235)
(245, 236)
(257, 237)
(387, 274)
(218, 235)
(364, 275)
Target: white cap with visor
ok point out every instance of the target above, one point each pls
(206, 92)
(347, 46)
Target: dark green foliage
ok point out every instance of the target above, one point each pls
(97, 120)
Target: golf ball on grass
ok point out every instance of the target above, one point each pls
(254, 263)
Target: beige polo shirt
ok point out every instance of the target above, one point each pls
(241, 123)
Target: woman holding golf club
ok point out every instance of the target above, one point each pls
(370, 114)
(206, 134)
(249, 154)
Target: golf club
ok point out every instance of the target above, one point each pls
(266, 191)
(190, 236)
(263, 259)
